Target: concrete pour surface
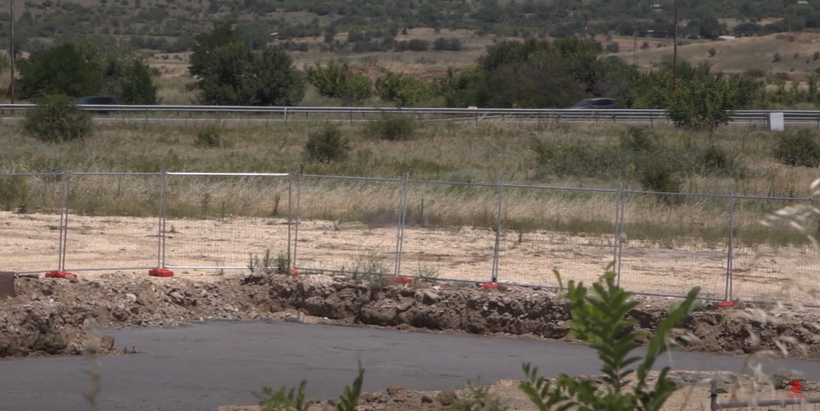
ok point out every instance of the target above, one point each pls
(204, 366)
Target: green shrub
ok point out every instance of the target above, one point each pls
(57, 119)
(391, 128)
(574, 159)
(638, 140)
(404, 91)
(714, 160)
(357, 88)
(327, 145)
(661, 177)
(209, 136)
(798, 149)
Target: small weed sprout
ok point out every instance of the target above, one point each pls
(427, 273)
(370, 266)
(282, 264)
(253, 263)
(268, 264)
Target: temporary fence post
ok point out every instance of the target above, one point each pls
(498, 229)
(615, 240)
(400, 224)
(64, 240)
(298, 215)
(63, 221)
(730, 253)
(290, 212)
(620, 239)
(404, 215)
(161, 225)
(164, 213)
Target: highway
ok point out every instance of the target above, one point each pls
(201, 367)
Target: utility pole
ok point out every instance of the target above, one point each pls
(11, 51)
(675, 50)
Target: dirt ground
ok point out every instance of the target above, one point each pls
(52, 316)
(692, 396)
(196, 247)
(49, 316)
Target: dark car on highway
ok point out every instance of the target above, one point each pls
(98, 101)
(596, 103)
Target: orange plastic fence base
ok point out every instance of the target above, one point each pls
(60, 274)
(160, 272)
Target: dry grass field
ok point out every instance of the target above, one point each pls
(350, 225)
(735, 56)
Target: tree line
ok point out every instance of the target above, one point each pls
(92, 66)
(510, 74)
(170, 26)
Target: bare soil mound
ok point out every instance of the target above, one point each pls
(49, 316)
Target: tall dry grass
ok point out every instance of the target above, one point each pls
(459, 152)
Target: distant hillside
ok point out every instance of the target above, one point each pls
(796, 54)
(169, 25)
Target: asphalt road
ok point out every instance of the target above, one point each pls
(204, 366)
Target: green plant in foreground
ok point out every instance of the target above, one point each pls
(599, 319)
(294, 399)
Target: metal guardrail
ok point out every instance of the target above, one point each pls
(789, 115)
(422, 113)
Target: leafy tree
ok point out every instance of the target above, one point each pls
(561, 71)
(599, 318)
(206, 43)
(276, 81)
(467, 87)
(544, 81)
(235, 75)
(137, 85)
(110, 58)
(329, 80)
(702, 103)
(404, 90)
(59, 70)
(57, 119)
(358, 88)
(702, 100)
(335, 80)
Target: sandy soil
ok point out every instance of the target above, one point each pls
(197, 247)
